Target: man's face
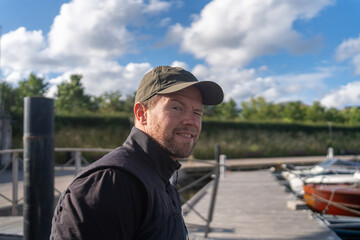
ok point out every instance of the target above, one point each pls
(175, 121)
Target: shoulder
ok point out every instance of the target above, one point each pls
(106, 204)
(111, 180)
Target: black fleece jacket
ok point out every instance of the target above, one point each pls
(124, 195)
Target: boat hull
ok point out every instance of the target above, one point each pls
(339, 199)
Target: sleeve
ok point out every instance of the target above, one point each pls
(108, 204)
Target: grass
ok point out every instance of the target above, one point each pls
(243, 143)
(237, 140)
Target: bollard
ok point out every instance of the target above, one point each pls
(222, 166)
(38, 167)
(330, 154)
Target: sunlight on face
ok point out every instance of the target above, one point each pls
(175, 121)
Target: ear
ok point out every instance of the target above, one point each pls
(140, 113)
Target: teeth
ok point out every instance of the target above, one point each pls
(186, 135)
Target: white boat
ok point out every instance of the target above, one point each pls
(331, 171)
(296, 183)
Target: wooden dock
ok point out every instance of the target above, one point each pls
(252, 205)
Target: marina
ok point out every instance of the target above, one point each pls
(250, 204)
(253, 205)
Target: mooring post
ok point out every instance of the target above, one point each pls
(38, 167)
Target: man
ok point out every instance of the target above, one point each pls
(126, 194)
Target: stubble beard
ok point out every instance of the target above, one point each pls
(172, 148)
(177, 150)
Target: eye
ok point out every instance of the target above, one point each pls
(177, 108)
(198, 113)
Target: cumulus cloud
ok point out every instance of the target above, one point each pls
(93, 28)
(87, 37)
(350, 49)
(156, 6)
(23, 50)
(233, 32)
(90, 36)
(348, 95)
(180, 64)
(173, 36)
(242, 84)
(101, 76)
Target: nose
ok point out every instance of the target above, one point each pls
(192, 119)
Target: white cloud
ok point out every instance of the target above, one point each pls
(101, 76)
(156, 6)
(350, 49)
(180, 64)
(233, 32)
(173, 36)
(93, 28)
(165, 21)
(348, 95)
(87, 37)
(23, 50)
(242, 84)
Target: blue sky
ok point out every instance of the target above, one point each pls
(304, 50)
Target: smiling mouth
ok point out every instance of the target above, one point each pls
(187, 135)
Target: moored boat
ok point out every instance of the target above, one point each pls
(330, 171)
(337, 199)
(345, 227)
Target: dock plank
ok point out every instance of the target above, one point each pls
(12, 226)
(253, 205)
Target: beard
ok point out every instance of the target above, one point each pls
(176, 149)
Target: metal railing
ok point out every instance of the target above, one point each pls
(218, 172)
(77, 159)
(15, 177)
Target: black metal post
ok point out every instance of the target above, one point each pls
(38, 167)
(214, 192)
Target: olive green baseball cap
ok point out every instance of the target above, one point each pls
(166, 79)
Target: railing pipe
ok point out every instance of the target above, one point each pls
(214, 192)
(77, 162)
(222, 165)
(15, 183)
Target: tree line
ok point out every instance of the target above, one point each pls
(70, 97)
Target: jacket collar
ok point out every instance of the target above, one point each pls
(157, 159)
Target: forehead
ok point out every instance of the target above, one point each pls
(190, 93)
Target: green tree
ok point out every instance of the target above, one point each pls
(111, 101)
(352, 115)
(334, 115)
(212, 111)
(228, 110)
(128, 103)
(71, 96)
(259, 109)
(294, 111)
(33, 86)
(10, 100)
(315, 113)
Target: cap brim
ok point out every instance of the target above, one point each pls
(211, 92)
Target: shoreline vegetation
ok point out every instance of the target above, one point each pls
(237, 139)
(255, 128)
